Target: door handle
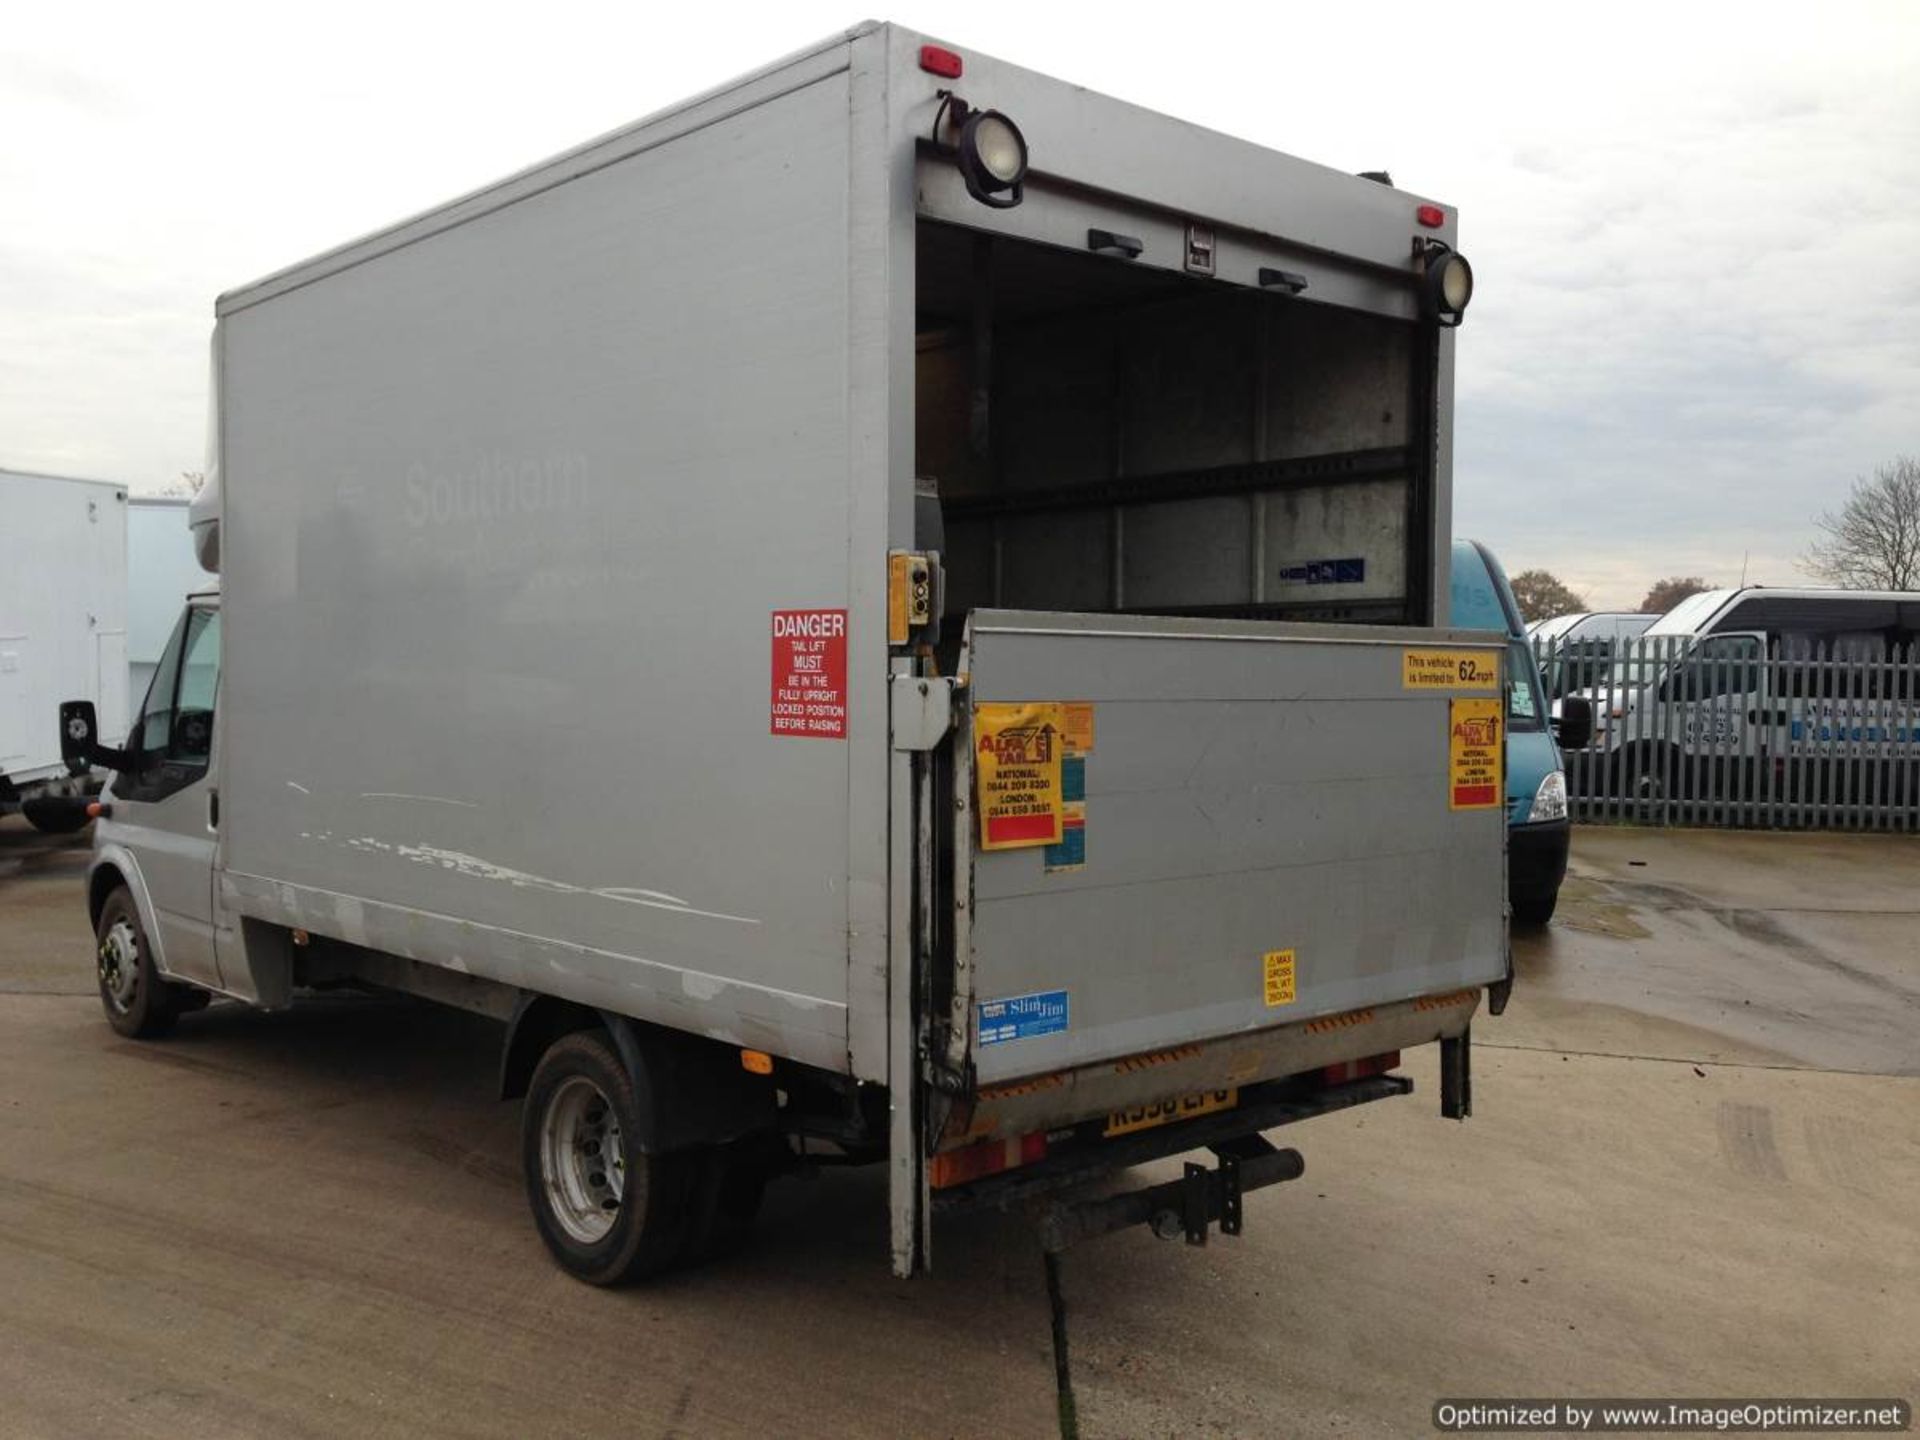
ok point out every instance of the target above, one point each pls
(213, 808)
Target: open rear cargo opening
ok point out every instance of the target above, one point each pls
(1108, 437)
(1111, 439)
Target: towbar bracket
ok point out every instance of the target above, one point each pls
(1186, 1206)
(1193, 1203)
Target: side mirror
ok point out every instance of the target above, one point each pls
(80, 743)
(79, 735)
(1573, 724)
(192, 732)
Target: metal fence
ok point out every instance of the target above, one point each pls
(1741, 730)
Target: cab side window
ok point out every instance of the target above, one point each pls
(175, 729)
(192, 740)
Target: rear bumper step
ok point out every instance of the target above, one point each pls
(1014, 1108)
(1221, 1132)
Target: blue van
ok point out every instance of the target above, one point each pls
(1536, 778)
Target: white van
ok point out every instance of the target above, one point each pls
(1581, 646)
(1762, 675)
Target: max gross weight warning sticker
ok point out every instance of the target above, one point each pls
(1277, 978)
(1450, 670)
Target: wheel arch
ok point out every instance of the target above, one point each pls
(692, 1091)
(537, 1021)
(114, 866)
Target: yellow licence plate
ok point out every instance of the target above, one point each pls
(1165, 1112)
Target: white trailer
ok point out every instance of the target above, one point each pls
(921, 561)
(63, 629)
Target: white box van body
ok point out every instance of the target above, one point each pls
(922, 579)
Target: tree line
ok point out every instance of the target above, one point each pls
(1872, 542)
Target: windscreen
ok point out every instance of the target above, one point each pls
(1689, 615)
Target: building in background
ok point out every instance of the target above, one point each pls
(161, 569)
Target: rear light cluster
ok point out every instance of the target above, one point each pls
(988, 1157)
(938, 60)
(1359, 1069)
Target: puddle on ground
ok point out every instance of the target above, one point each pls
(1593, 907)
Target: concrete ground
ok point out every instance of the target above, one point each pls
(1690, 1171)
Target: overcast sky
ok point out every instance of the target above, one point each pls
(1695, 229)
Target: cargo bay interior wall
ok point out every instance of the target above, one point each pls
(1106, 436)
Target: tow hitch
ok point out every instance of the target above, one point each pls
(1184, 1207)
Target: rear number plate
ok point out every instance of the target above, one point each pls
(1165, 1112)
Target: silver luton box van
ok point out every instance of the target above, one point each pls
(819, 610)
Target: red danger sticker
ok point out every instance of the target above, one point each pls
(810, 673)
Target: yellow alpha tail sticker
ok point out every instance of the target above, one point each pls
(1017, 750)
(1474, 748)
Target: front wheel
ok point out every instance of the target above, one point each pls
(608, 1211)
(1651, 776)
(140, 1003)
(56, 814)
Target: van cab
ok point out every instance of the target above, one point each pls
(1736, 682)
(1537, 826)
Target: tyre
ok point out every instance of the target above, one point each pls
(1651, 776)
(1535, 911)
(732, 1181)
(608, 1212)
(56, 814)
(139, 1002)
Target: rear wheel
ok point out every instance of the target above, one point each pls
(608, 1211)
(733, 1180)
(1535, 910)
(140, 1003)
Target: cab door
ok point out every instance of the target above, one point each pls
(165, 808)
(1721, 709)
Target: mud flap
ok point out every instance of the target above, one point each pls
(1456, 1076)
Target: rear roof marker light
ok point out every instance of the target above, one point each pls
(936, 60)
(1431, 216)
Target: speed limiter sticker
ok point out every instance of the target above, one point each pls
(1450, 669)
